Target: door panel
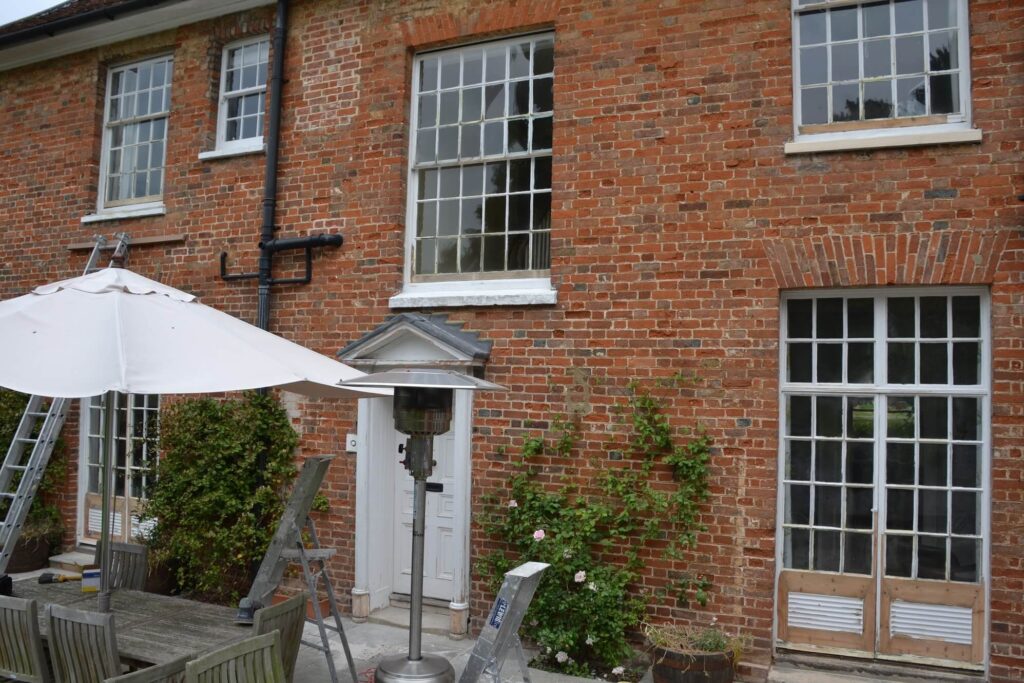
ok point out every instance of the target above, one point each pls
(441, 555)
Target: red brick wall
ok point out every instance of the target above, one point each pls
(677, 220)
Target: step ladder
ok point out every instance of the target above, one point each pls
(23, 466)
(288, 547)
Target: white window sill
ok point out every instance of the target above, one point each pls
(521, 292)
(256, 147)
(121, 212)
(884, 137)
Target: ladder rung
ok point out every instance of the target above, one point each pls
(34, 414)
(312, 554)
(8, 495)
(20, 468)
(25, 439)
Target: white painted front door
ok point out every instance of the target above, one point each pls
(442, 554)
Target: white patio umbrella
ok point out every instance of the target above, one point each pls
(116, 331)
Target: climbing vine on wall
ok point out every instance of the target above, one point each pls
(598, 535)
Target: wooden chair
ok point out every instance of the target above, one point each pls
(288, 617)
(170, 672)
(129, 565)
(21, 647)
(82, 645)
(255, 660)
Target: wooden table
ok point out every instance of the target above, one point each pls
(151, 628)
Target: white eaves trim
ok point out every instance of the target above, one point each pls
(515, 292)
(884, 137)
(141, 23)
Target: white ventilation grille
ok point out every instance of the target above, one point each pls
(95, 522)
(826, 612)
(931, 622)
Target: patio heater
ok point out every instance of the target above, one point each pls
(422, 410)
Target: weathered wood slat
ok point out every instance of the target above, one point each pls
(171, 672)
(83, 648)
(255, 660)
(21, 647)
(152, 629)
(288, 617)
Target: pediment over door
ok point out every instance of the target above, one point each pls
(417, 340)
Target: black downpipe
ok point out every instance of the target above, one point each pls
(270, 180)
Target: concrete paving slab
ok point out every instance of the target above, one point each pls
(372, 642)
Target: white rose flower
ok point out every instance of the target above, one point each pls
(561, 657)
(580, 576)
(618, 671)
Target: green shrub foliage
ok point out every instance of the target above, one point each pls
(597, 539)
(215, 511)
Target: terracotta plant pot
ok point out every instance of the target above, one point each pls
(29, 555)
(692, 667)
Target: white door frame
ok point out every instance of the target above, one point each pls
(375, 507)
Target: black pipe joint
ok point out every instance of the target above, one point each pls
(289, 243)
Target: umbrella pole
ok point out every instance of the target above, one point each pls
(107, 459)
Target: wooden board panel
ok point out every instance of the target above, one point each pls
(948, 593)
(858, 587)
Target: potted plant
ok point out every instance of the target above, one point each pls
(40, 535)
(692, 654)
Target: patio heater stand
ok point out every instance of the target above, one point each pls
(422, 410)
(421, 423)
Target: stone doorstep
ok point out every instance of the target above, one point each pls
(801, 668)
(72, 561)
(435, 619)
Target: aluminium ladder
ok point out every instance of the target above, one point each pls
(35, 436)
(288, 547)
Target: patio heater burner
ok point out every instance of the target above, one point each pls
(422, 410)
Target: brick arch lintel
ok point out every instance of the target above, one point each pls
(490, 19)
(936, 258)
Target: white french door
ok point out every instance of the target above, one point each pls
(883, 472)
(135, 432)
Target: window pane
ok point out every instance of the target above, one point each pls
(966, 466)
(901, 362)
(876, 19)
(931, 511)
(518, 135)
(966, 513)
(909, 16)
(814, 105)
(494, 253)
(543, 95)
(910, 97)
(830, 318)
(934, 364)
(845, 62)
(931, 557)
(448, 217)
(846, 102)
(941, 13)
(800, 362)
(900, 509)
(469, 256)
(966, 316)
(860, 361)
(857, 553)
(542, 173)
(798, 460)
(942, 51)
(519, 60)
(932, 465)
(447, 255)
(965, 419)
(963, 559)
(901, 317)
(843, 23)
(812, 27)
(945, 94)
(826, 551)
(934, 418)
(472, 215)
(910, 55)
(450, 66)
(933, 316)
(860, 318)
(860, 418)
(899, 463)
(542, 211)
(494, 220)
(830, 362)
(899, 553)
(829, 421)
(472, 67)
(519, 98)
(900, 417)
(518, 251)
(828, 461)
(798, 318)
(543, 57)
(542, 133)
(860, 463)
(472, 180)
(797, 548)
(813, 65)
(858, 508)
(519, 212)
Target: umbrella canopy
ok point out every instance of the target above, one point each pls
(114, 330)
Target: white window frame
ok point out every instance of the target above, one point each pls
(86, 438)
(957, 128)
(140, 206)
(471, 289)
(225, 147)
(881, 390)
